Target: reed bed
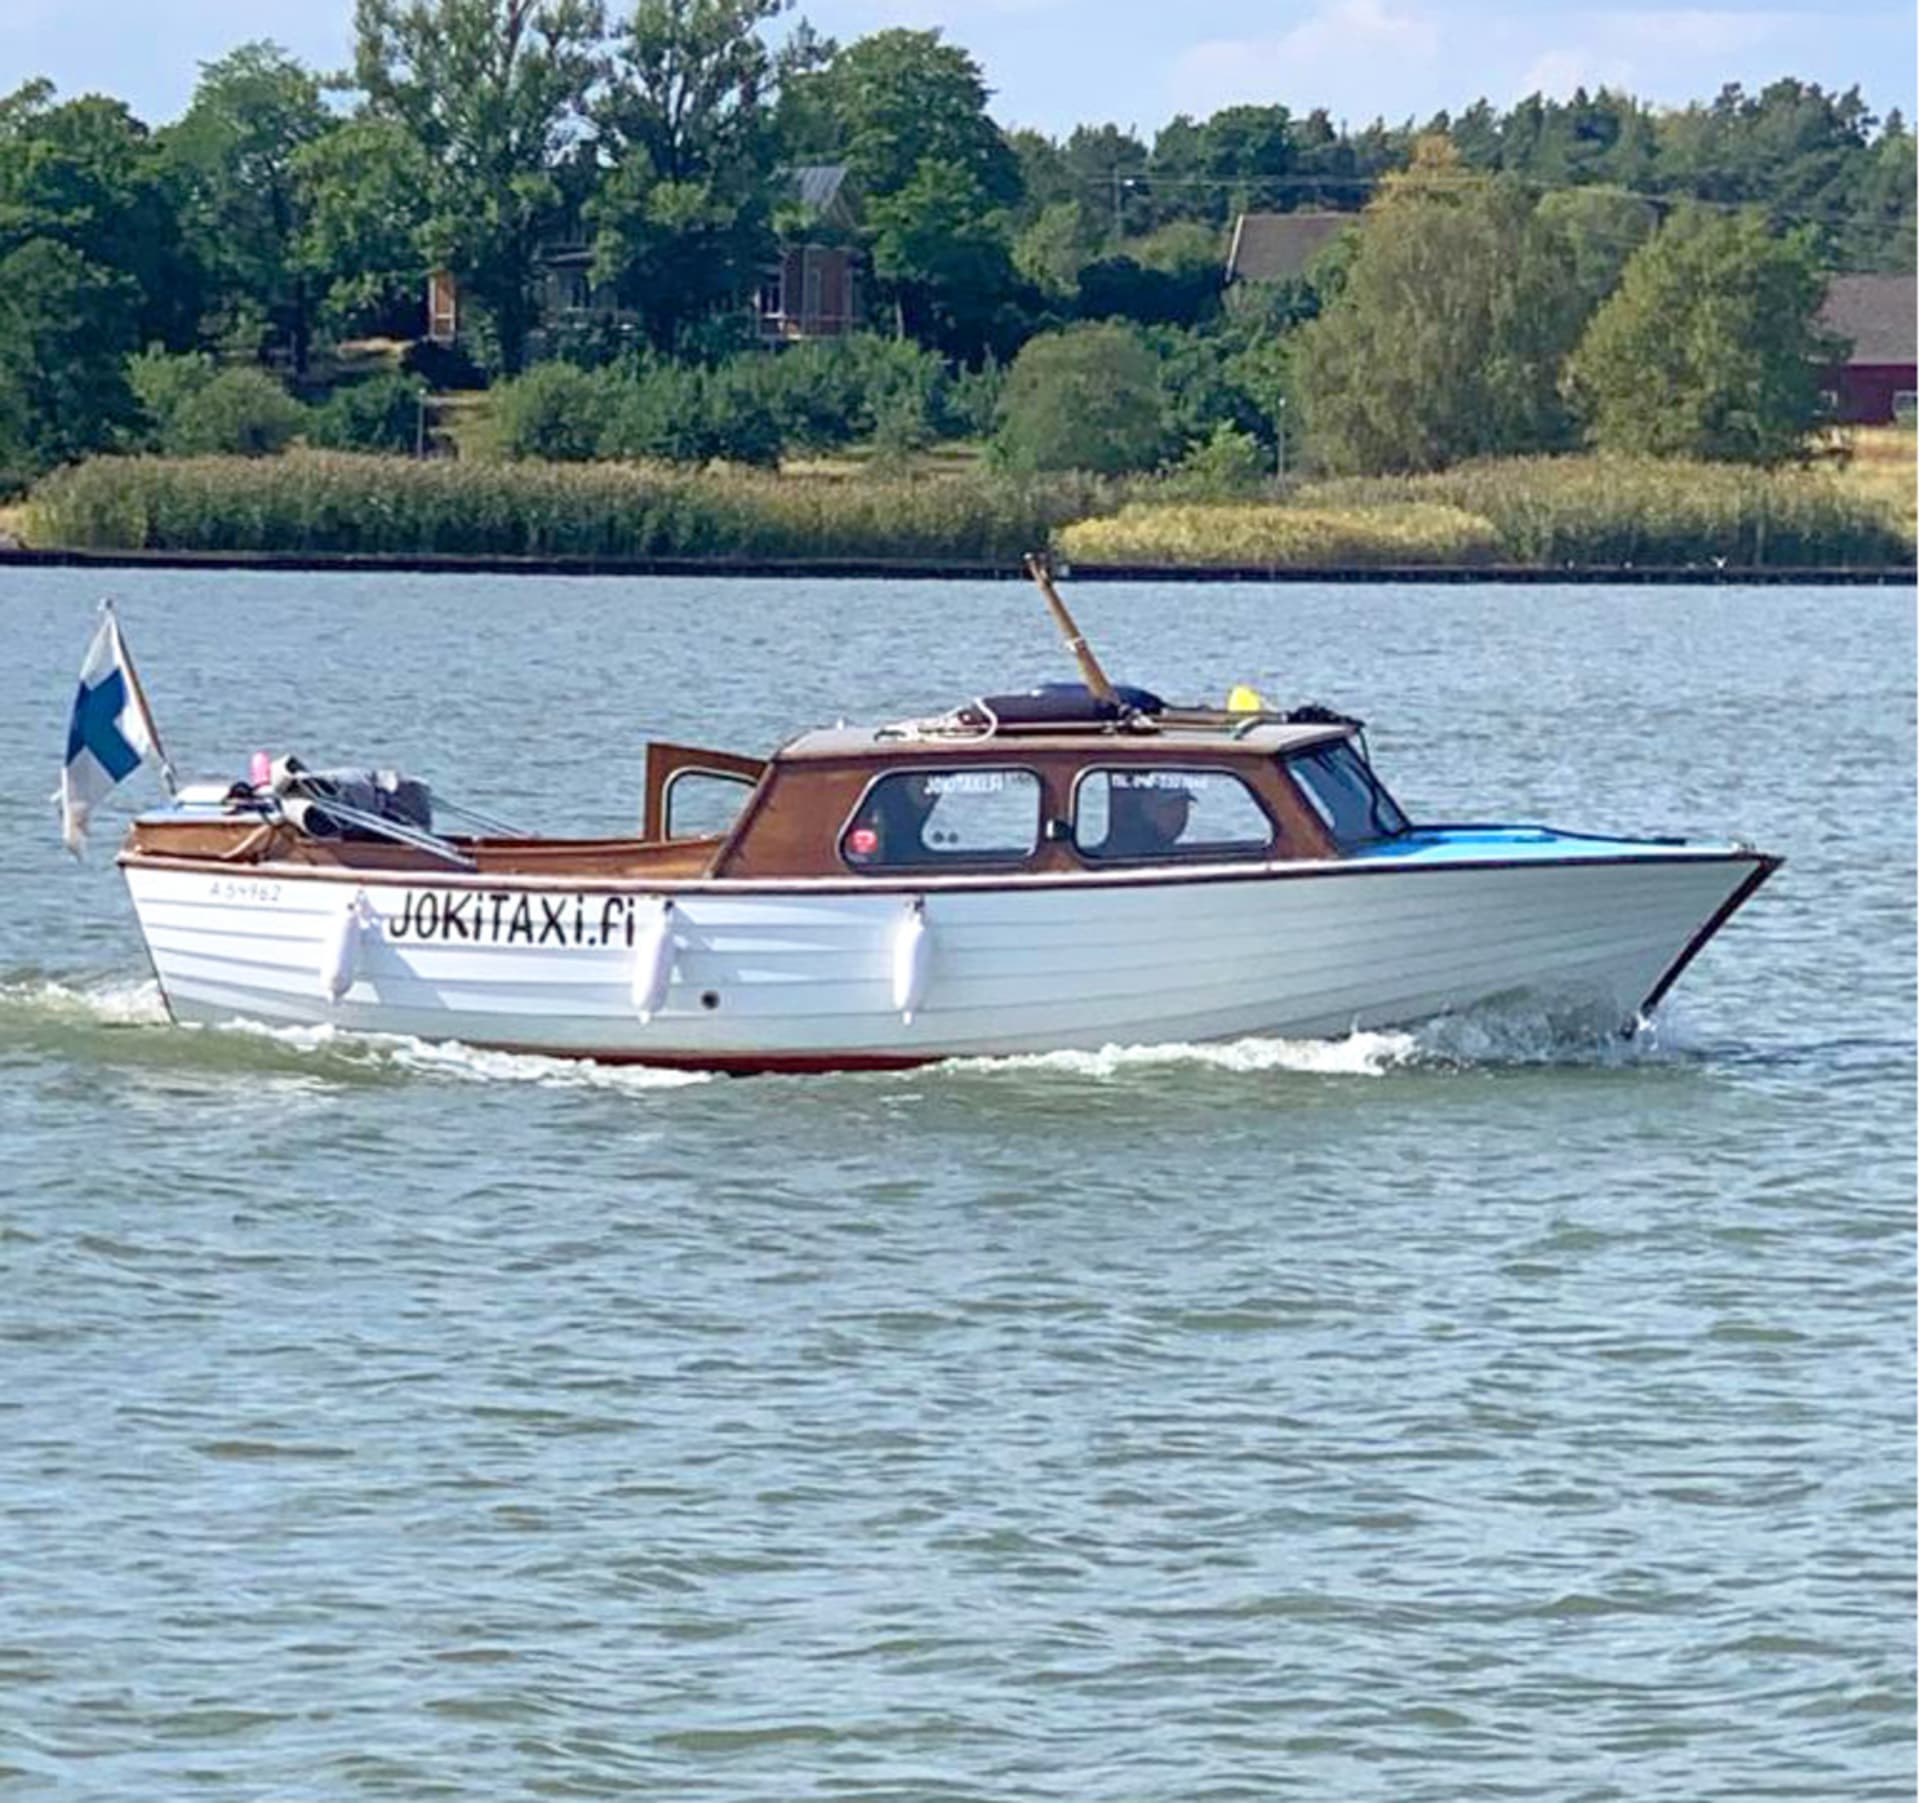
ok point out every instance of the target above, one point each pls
(1254, 535)
(1650, 513)
(331, 503)
(1581, 512)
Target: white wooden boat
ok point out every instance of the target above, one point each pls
(1072, 868)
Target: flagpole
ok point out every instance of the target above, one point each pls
(140, 695)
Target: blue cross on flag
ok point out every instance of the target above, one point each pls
(110, 735)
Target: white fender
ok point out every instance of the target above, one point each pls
(652, 958)
(912, 958)
(340, 950)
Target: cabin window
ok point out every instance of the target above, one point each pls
(702, 804)
(1132, 814)
(916, 819)
(1341, 788)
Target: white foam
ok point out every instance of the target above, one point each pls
(117, 1002)
(464, 1063)
(1357, 1055)
(1490, 1039)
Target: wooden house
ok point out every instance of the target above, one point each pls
(1874, 314)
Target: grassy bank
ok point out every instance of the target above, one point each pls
(1583, 512)
(1573, 512)
(317, 502)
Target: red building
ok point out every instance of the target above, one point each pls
(1875, 315)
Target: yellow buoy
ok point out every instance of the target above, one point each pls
(1244, 700)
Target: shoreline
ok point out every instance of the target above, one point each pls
(938, 570)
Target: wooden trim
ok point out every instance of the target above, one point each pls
(1285, 871)
(664, 758)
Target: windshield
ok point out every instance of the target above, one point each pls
(1342, 789)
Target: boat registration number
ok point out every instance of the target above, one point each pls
(245, 889)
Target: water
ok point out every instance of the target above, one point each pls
(1470, 1413)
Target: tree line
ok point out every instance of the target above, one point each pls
(287, 209)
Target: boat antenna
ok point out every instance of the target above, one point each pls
(1097, 683)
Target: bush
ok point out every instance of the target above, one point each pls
(381, 413)
(970, 401)
(236, 413)
(684, 414)
(1277, 537)
(328, 501)
(1231, 462)
(1088, 398)
(162, 384)
(554, 411)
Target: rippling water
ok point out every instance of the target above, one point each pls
(1469, 1413)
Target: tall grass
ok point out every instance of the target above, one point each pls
(1263, 536)
(330, 502)
(1649, 512)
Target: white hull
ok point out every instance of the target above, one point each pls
(811, 974)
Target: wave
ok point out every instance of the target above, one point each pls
(43, 1009)
(60, 1016)
(1514, 1037)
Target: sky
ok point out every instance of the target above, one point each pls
(1057, 63)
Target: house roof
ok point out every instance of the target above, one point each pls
(819, 184)
(1277, 247)
(1874, 312)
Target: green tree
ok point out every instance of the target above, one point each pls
(1060, 242)
(366, 206)
(495, 92)
(1708, 348)
(682, 219)
(908, 115)
(940, 247)
(66, 327)
(236, 151)
(899, 99)
(1602, 228)
(1447, 338)
(1088, 398)
(87, 174)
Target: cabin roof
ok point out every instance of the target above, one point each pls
(1875, 314)
(1230, 736)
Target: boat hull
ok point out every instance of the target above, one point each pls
(809, 975)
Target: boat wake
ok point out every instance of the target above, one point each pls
(1513, 1038)
(112, 1018)
(89, 1019)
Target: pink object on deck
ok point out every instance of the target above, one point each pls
(260, 770)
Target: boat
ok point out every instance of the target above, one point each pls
(1075, 866)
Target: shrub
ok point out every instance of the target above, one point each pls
(237, 413)
(381, 413)
(555, 411)
(970, 401)
(1088, 398)
(684, 414)
(162, 384)
(1231, 462)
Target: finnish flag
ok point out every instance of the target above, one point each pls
(110, 735)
